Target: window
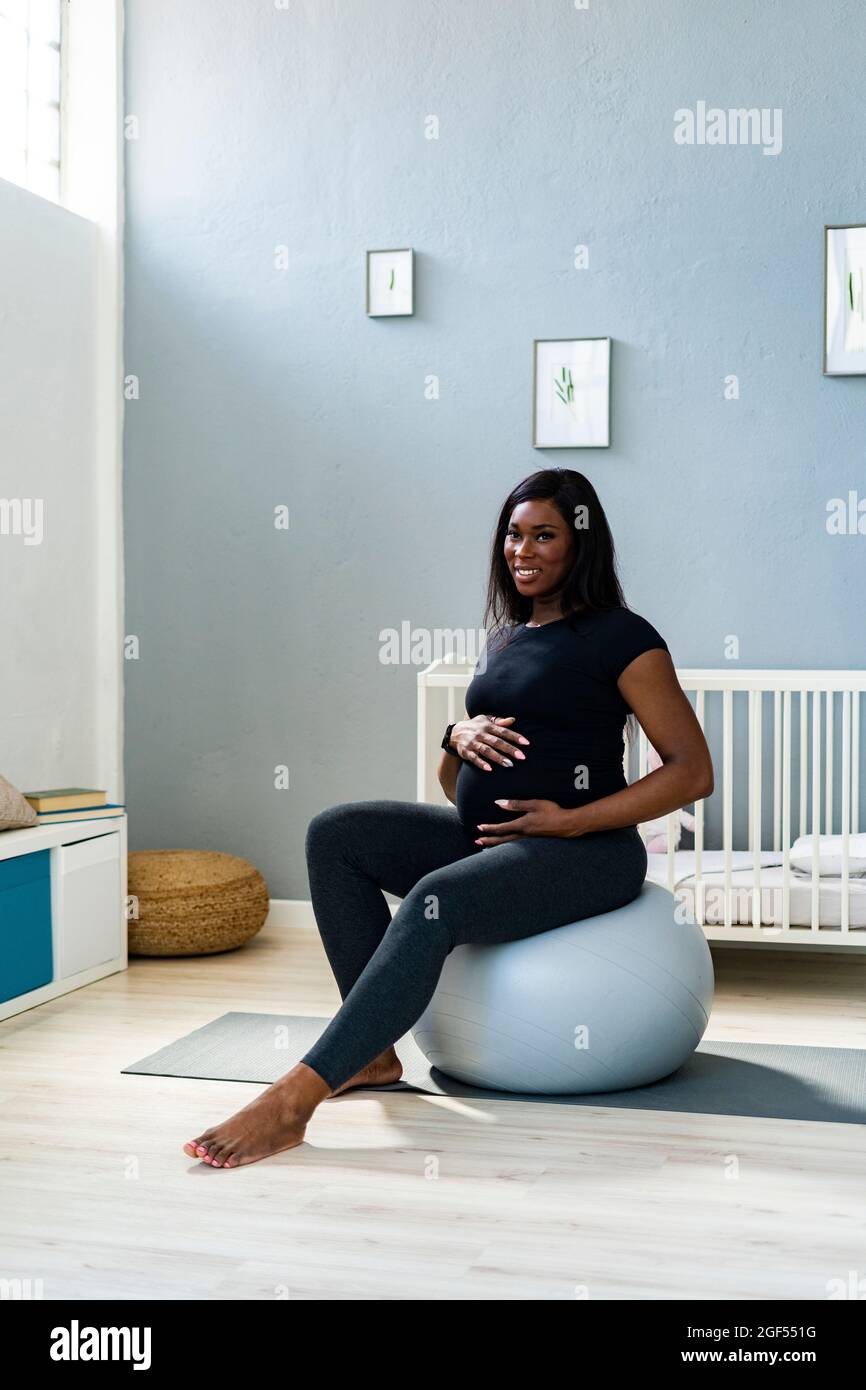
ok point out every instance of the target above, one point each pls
(30, 95)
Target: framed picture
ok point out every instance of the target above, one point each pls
(391, 282)
(845, 301)
(571, 393)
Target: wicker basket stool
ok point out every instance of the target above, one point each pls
(193, 902)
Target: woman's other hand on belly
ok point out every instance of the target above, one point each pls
(535, 817)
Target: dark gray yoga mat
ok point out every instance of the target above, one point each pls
(771, 1080)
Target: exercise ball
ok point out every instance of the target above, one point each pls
(604, 1004)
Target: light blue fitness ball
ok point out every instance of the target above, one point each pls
(604, 1004)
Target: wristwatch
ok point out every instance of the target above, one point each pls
(446, 743)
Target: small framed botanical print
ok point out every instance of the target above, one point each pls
(845, 301)
(571, 393)
(390, 282)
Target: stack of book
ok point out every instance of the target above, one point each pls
(72, 803)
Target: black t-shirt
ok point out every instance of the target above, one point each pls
(559, 681)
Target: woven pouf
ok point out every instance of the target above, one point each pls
(193, 902)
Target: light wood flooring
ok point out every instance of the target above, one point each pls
(402, 1196)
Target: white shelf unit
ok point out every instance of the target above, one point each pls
(88, 902)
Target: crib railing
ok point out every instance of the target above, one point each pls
(786, 750)
(801, 749)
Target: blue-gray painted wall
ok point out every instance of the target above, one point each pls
(304, 127)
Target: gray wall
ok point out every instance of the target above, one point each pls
(306, 127)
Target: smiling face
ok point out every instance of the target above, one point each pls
(539, 549)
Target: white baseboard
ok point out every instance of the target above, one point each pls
(297, 912)
(290, 912)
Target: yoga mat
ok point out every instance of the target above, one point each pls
(771, 1080)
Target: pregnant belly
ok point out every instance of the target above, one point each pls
(549, 773)
(477, 792)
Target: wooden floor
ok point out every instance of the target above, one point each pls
(403, 1196)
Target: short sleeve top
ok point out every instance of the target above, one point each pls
(559, 681)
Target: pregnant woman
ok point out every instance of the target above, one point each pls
(545, 826)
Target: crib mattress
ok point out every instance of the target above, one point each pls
(742, 881)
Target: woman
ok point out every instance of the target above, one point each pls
(545, 827)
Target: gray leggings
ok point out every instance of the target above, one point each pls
(453, 892)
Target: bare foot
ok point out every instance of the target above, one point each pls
(382, 1071)
(276, 1120)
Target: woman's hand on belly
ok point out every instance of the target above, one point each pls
(487, 736)
(537, 818)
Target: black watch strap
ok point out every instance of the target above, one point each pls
(446, 743)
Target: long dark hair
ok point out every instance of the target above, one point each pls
(592, 583)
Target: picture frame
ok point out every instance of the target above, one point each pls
(390, 282)
(844, 332)
(571, 393)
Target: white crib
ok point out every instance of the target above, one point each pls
(786, 752)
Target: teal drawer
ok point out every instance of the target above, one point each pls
(25, 923)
